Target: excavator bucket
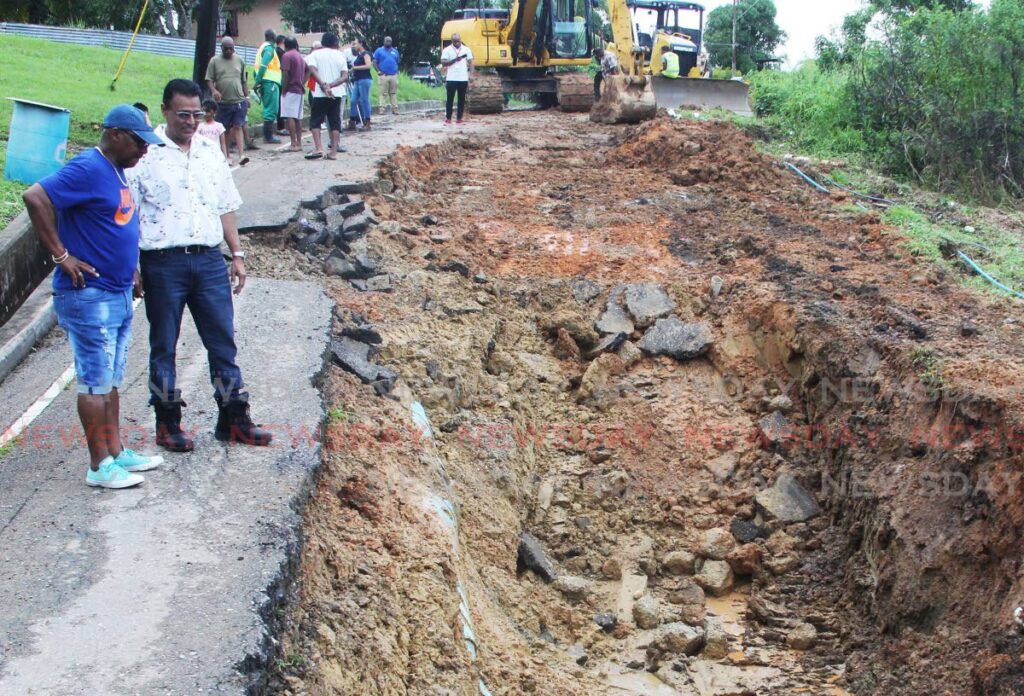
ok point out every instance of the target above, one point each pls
(731, 95)
(624, 99)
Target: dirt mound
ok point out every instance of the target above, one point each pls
(694, 152)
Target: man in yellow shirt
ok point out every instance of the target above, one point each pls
(669, 64)
(268, 83)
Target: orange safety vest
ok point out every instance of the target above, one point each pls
(273, 71)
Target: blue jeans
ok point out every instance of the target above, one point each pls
(99, 327)
(361, 100)
(199, 280)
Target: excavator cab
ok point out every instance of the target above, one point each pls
(527, 47)
(670, 25)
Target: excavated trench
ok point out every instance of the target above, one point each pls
(665, 422)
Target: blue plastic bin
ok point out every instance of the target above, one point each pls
(38, 140)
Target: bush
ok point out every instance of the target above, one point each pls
(938, 99)
(944, 93)
(813, 108)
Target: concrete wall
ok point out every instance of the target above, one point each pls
(24, 263)
(267, 15)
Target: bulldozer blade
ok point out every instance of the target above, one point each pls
(731, 95)
(624, 99)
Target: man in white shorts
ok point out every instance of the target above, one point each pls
(293, 65)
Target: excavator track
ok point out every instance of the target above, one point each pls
(485, 95)
(575, 92)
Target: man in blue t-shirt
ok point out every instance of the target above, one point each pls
(385, 62)
(85, 217)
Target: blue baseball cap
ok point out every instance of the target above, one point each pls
(127, 117)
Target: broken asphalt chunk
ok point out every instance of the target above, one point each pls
(647, 302)
(354, 357)
(531, 556)
(672, 337)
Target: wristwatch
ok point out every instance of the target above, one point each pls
(238, 254)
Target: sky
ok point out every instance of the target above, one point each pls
(805, 20)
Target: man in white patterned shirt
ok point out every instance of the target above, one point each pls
(187, 201)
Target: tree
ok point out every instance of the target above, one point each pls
(757, 34)
(842, 48)
(415, 25)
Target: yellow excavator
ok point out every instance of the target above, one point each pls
(529, 47)
(643, 32)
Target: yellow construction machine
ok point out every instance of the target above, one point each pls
(528, 48)
(643, 32)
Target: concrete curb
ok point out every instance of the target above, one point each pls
(24, 263)
(33, 320)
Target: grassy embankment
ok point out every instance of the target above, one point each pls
(78, 78)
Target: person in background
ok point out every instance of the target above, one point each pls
(458, 60)
(187, 202)
(145, 111)
(385, 61)
(293, 65)
(669, 64)
(310, 82)
(211, 129)
(268, 83)
(85, 216)
(609, 63)
(279, 48)
(362, 81)
(225, 77)
(327, 66)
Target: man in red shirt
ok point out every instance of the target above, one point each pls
(293, 65)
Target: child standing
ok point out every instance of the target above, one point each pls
(212, 130)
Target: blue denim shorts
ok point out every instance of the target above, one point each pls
(99, 327)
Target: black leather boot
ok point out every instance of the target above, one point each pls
(169, 434)
(235, 425)
(268, 133)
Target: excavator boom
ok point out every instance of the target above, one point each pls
(644, 31)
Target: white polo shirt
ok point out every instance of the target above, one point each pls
(457, 72)
(180, 197)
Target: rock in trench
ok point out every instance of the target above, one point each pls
(607, 344)
(715, 577)
(680, 638)
(573, 587)
(787, 501)
(716, 543)
(679, 562)
(802, 637)
(584, 291)
(647, 612)
(716, 640)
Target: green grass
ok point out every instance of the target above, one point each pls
(8, 447)
(409, 90)
(998, 251)
(10, 193)
(79, 77)
(929, 366)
